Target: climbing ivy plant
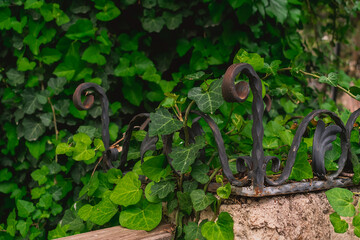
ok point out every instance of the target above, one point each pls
(146, 53)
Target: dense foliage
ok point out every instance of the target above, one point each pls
(146, 53)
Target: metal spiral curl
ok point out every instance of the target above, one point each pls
(109, 155)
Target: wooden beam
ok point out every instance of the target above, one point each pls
(162, 232)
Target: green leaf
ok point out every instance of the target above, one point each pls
(23, 64)
(193, 231)
(210, 100)
(184, 157)
(37, 192)
(183, 46)
(92, 55)
(356, 224)
(32, 4)
(50, 55)
(222, 229)
(103, 211)
(114, 175)
(278, 9)
(254, 59)
(6, 187)
(11, 223)
(133, 93)
(82, 30)
(302, 168)
(57, 84)
(153, 168)
(63, 148)
(39, 175)
(162, 189)
(82, 153)
(332, 79)
(163, 123)
(31, 102)
(172, 21)
(58, 232)
(341, 201)
(82, 138)
(340, 226)
(5, 175)
(15, 78)
(36, 148)
(110, 12)
(24, 208)
(12, 140)
(23, 226)
(236, 3)
(200, 200)
(45, 201)
(199, 173)
(146, 217)
(224, 191)
(77, 113)
(85, 212)
(153, 24)
(148, 194)
(127, 192)
(66, 69)
(185, 203)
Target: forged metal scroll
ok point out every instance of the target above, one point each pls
(239, 93)
(86, 105)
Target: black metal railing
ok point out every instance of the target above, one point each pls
(257, 183)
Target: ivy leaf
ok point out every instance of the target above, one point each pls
(57, 84)
(31, 102)
(278, 9)
(340, 226)
(356, 224)
(32, 4)
(199, 173)
(332, 79)
(85, 212)
(12, 140)
(254, 59)
(25, 208)
(162, 189)
(224, 191)
(24, 227)
(341, 201)
(273, 67)
(82, 138)
(32, 130)
(193, 231)
(103, 211)
(36, 148)
(92, 55)
(15, 78)
(110, 11)
(183, 157)
(185, 203)
(50, 55)
(58, 232)
(24, 64)
(5, 175)
(114, 175)
(222, 229)
(11, 223)
(172, 21)
(200, 200)
(146, 216)
(153, 168)
(39, 175)
(82, 153)
(82, 30)
(163, 123)
(302, 168)
(127, 191)
(45, 201)
(63, 148)
(66, 69)
(148, 194)
(210, 100)
(153, 24)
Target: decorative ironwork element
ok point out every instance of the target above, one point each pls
(261, 184)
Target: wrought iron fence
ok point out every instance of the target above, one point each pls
(256, 183)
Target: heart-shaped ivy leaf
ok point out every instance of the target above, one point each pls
(340, 226)
(341, 201)
(146, 216)
(222, 229)
(200, 200)
(163, 123)
(210, 100)
(127, 192)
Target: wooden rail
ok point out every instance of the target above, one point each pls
(162, 232)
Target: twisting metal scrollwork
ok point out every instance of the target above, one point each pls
(255, 165)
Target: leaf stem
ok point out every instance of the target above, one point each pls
(217, 210)
(211, 177)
